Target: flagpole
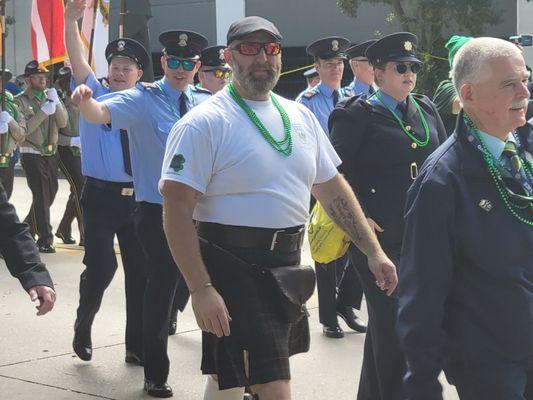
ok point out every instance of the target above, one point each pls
(122, 19)
(96, 4)
(51, 79)
(3, 19)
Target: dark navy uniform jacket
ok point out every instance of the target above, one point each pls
(378, 158)
(19, 249)
(465, 260)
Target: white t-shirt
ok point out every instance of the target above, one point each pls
(218, 151)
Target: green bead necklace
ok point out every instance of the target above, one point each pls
(497, 177)
(419, 143)
(283, 146)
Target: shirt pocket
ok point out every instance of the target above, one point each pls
(164, 127)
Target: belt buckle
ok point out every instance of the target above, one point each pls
(414, 171)
(126, 192)
(275, 240)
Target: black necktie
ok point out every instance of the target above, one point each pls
(183, 105)
(335, 98)
(371, 90)
(125, 144)
(402, 107)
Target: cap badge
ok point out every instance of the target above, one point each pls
(407, 45)
(121, 44)
(183, 39)
(334, 45)
(221, 55)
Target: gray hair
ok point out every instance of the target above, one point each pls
(471, 61)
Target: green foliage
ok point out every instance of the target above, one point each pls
(429, 20)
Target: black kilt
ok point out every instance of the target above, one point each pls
(260, 342)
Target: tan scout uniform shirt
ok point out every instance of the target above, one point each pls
(73, 123)
(16, 129)
(37, 122)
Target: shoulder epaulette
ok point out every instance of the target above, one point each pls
(147, 85)
(104, 82)
(310, 93)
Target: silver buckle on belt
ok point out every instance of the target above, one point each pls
(275, 240)
(126, 192)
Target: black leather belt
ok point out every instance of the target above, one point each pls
(122, 188)
(286, 240)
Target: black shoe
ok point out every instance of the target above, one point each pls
(82, 345)
(67, 239)
(353, 321)
(134, 358)
(82, 243)
(47, 248)
(334, 332)
(157, 389)
(173, 326)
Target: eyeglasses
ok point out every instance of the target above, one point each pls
(253, 49)
(402, 68)
(174, 63)
(220, 73)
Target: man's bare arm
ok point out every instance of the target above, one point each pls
(92, 110)
(209, 308)
(342, 206)
(81, 69)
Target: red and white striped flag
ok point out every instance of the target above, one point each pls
(96, 16)
(48, 32)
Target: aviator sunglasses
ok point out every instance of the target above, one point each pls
(174, 63)
(253, 48)
(402, 68)
(220, 73)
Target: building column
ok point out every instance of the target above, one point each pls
(228, 11)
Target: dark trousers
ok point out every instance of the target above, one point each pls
(41, 174)
(107, 213)
(383, 362)
(492, 380)
(70, 165)
(337, 286)
(7, 176)
(181, 297)
(162, 279)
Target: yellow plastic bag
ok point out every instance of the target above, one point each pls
(328, 242)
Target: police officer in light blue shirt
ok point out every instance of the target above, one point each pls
(148, 112)
(329, 55)
(363, 80)
(107, 199)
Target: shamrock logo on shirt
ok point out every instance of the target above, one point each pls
(177, 162)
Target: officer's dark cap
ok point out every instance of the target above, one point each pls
(213, 56)
(310, 73)
(33, 68)
(7, 75)
(246, 26)
(329, 47)
(400, 47)
(358, 50)
(128, 48)
(185, 44)
(64, 73)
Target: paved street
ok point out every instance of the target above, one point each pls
(37, 362)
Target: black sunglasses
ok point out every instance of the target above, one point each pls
(253, 48)
(174, 63)
(402, 68)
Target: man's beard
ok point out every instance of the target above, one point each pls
(253, 85)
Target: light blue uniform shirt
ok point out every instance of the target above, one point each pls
(101, 155)
(359, 88)
(496, 146)
(389, 102)
(319, 100)
(148, 113)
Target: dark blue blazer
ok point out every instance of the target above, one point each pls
(466, 272)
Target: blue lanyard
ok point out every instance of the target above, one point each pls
(169, 102)
(524, 178)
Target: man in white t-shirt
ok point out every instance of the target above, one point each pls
(243, 164)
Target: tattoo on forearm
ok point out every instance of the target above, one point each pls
(340, 213)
